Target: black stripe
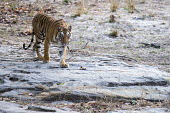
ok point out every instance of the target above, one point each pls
(38, 42)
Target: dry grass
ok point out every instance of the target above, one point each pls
(114, 5)
(130, 5)
(101, 106)
(80, 10)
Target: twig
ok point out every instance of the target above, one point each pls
(85, 46)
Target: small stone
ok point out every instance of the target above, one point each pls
(82, 68)
(112, 19)
(30, 94)
(155, 45)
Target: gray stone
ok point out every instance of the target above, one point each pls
(7, 107)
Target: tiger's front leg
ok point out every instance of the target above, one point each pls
(46, 58)
(62, 53)
(37, 47)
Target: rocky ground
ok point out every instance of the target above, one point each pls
(115, 67)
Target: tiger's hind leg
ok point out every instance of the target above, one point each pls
(46, 51)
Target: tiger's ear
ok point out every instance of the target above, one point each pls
(69, 28)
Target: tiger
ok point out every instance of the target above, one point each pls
(49, 30)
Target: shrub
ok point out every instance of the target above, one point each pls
(114, 5)
(130, 5)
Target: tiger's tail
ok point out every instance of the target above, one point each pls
(32, 40)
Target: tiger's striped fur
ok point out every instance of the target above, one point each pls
(47, 29)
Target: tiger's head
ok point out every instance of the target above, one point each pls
(64, 35)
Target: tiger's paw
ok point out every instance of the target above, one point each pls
(64, 65)
(40, 58)
(46, 60)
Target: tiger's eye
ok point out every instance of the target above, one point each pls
(69, 34)
(62, 34)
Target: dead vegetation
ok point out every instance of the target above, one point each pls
(94, 106)
(114, 5)
(106, 106)
(130, 5)
(97, 106)
(80, 10)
